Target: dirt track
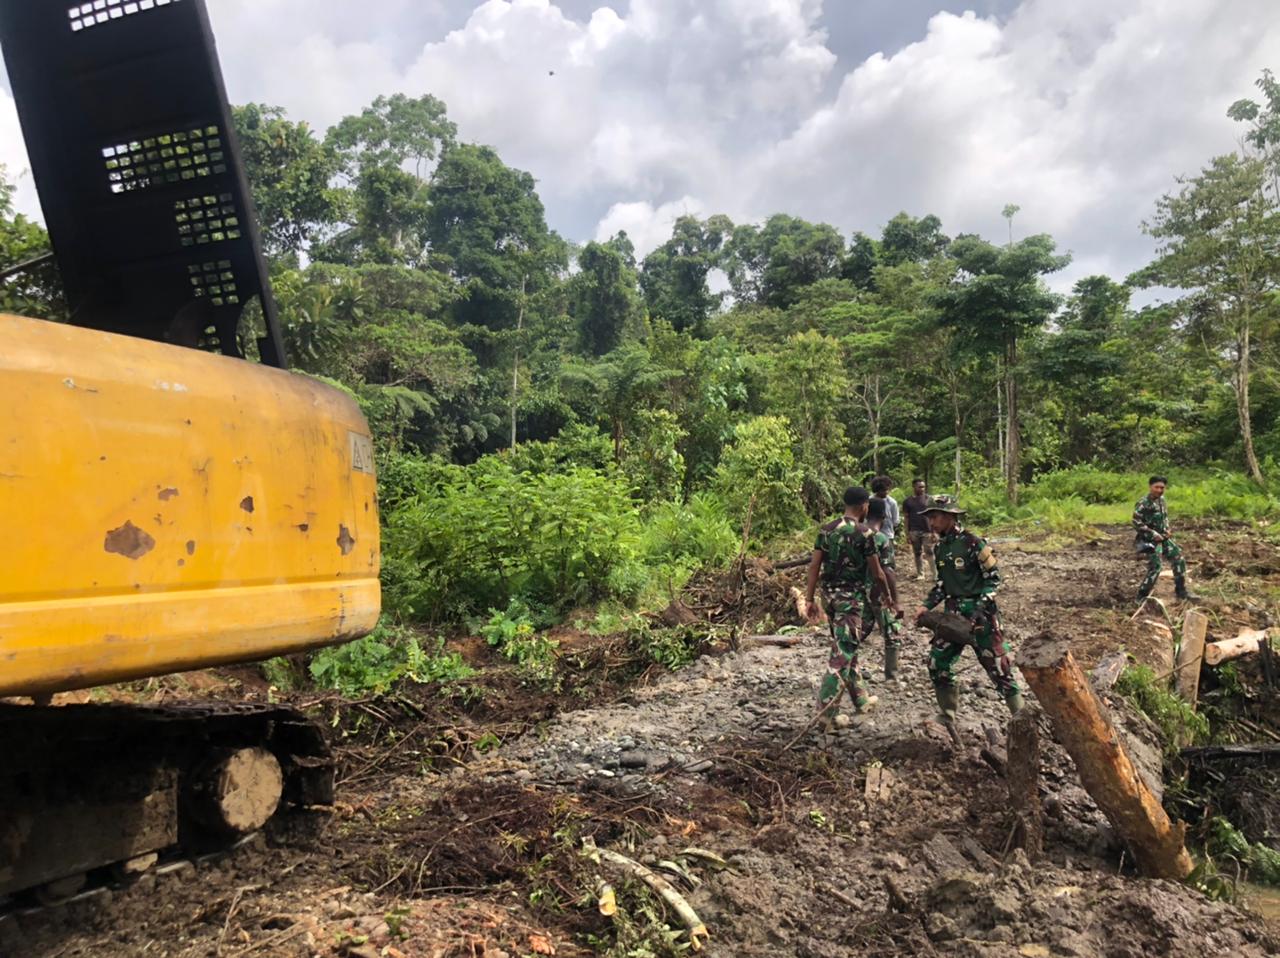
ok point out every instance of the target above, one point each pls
(424, 859)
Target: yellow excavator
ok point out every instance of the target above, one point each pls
(165, 503)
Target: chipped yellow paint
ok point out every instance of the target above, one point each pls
(164, 509)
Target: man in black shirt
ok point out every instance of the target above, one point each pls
(920, 536)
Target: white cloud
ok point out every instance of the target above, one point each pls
(631, 114)
(13, 158)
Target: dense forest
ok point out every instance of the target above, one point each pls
(559, 424)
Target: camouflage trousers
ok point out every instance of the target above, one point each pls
(989, 641)
(875, 612)
(1169, 550)
(844, 615)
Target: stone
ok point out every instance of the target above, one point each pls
(940, 928)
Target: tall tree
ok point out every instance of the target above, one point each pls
(619, 385)
(291, 173)
(487, 227)
(674, 276)
(1263, 138)
(1219, 240)
(770, 264)
(997, 297)
(910, 240)
(604, 299)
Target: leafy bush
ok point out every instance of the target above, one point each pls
(1178, 722)
(1226, 841)
(672, 648)
(515, 637)
(758, 474)
(381, 659)
(486, 534)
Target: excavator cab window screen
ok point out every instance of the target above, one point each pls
(129, 134)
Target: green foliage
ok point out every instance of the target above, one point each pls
(485, 534)
(674, 276)
(35, 292)
(390, 653)
(1179, 723)
(1260, 863)
(758, 478)
(513, 633)
(672, 648)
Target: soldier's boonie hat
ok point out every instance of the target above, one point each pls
(945, 504)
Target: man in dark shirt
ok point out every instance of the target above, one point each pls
(919, 534)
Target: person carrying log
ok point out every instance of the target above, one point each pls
(968, 578)
(844, 560)
(1151, 528)
(881, 608)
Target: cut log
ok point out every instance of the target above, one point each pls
(791, 563)
(1107, 672)
(949, 627)
(1190, 654)
(1082, 725)
(1246, 643)
(1023, 774)
(236, 790)
(1263, 750)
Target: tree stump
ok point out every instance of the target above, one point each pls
(1023, 774)
(1082, 725)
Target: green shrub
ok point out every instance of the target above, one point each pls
(486, 534)
(1261, 862)
(513, 634)
(374, 664)
(1179, 723)
(758, 474)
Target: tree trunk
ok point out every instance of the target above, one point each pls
(1000, 418)
(1242, 400)
(873, 412)
(1082, 725)
(515, 366)
(1023, 773)
(1013, 456)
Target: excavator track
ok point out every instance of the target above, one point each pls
(88, 792)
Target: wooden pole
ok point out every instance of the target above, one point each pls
(1023, 773)
(1082, 725)
(1195, 624)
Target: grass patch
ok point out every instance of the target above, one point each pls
(1178, 722)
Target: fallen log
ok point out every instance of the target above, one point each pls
(1246, 643)
(778, 641)
(1195, 624)
(791, 563)
(1084, 728)
(1023, 774)
(1212, 752)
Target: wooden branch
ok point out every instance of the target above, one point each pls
(1023, 774)
(1190, 654)
(780, 641)
(1082, 725)
(1246, 643)
(791, 564)
(688, 917)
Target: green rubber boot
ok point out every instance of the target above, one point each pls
(890, 662)
(948, 702)
(1015, 703)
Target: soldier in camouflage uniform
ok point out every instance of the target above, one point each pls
(968, 577)
(844, 560)
(882, 608)
(1151, 525)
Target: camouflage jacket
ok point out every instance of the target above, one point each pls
(1151, 518)
(845, 548)
(967, 569)
(884, 549)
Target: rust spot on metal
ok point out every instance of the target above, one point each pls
(345, 542)
(166, 494)
(304, 527)
(181, 563)
(247, 504)
(191, 547)
(129, 541)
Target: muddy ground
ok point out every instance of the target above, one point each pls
(445, 843)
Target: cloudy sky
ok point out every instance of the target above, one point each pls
(631, 112)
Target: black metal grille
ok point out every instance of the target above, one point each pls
(132, 149)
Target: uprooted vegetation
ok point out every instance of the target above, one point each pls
(469, 803)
